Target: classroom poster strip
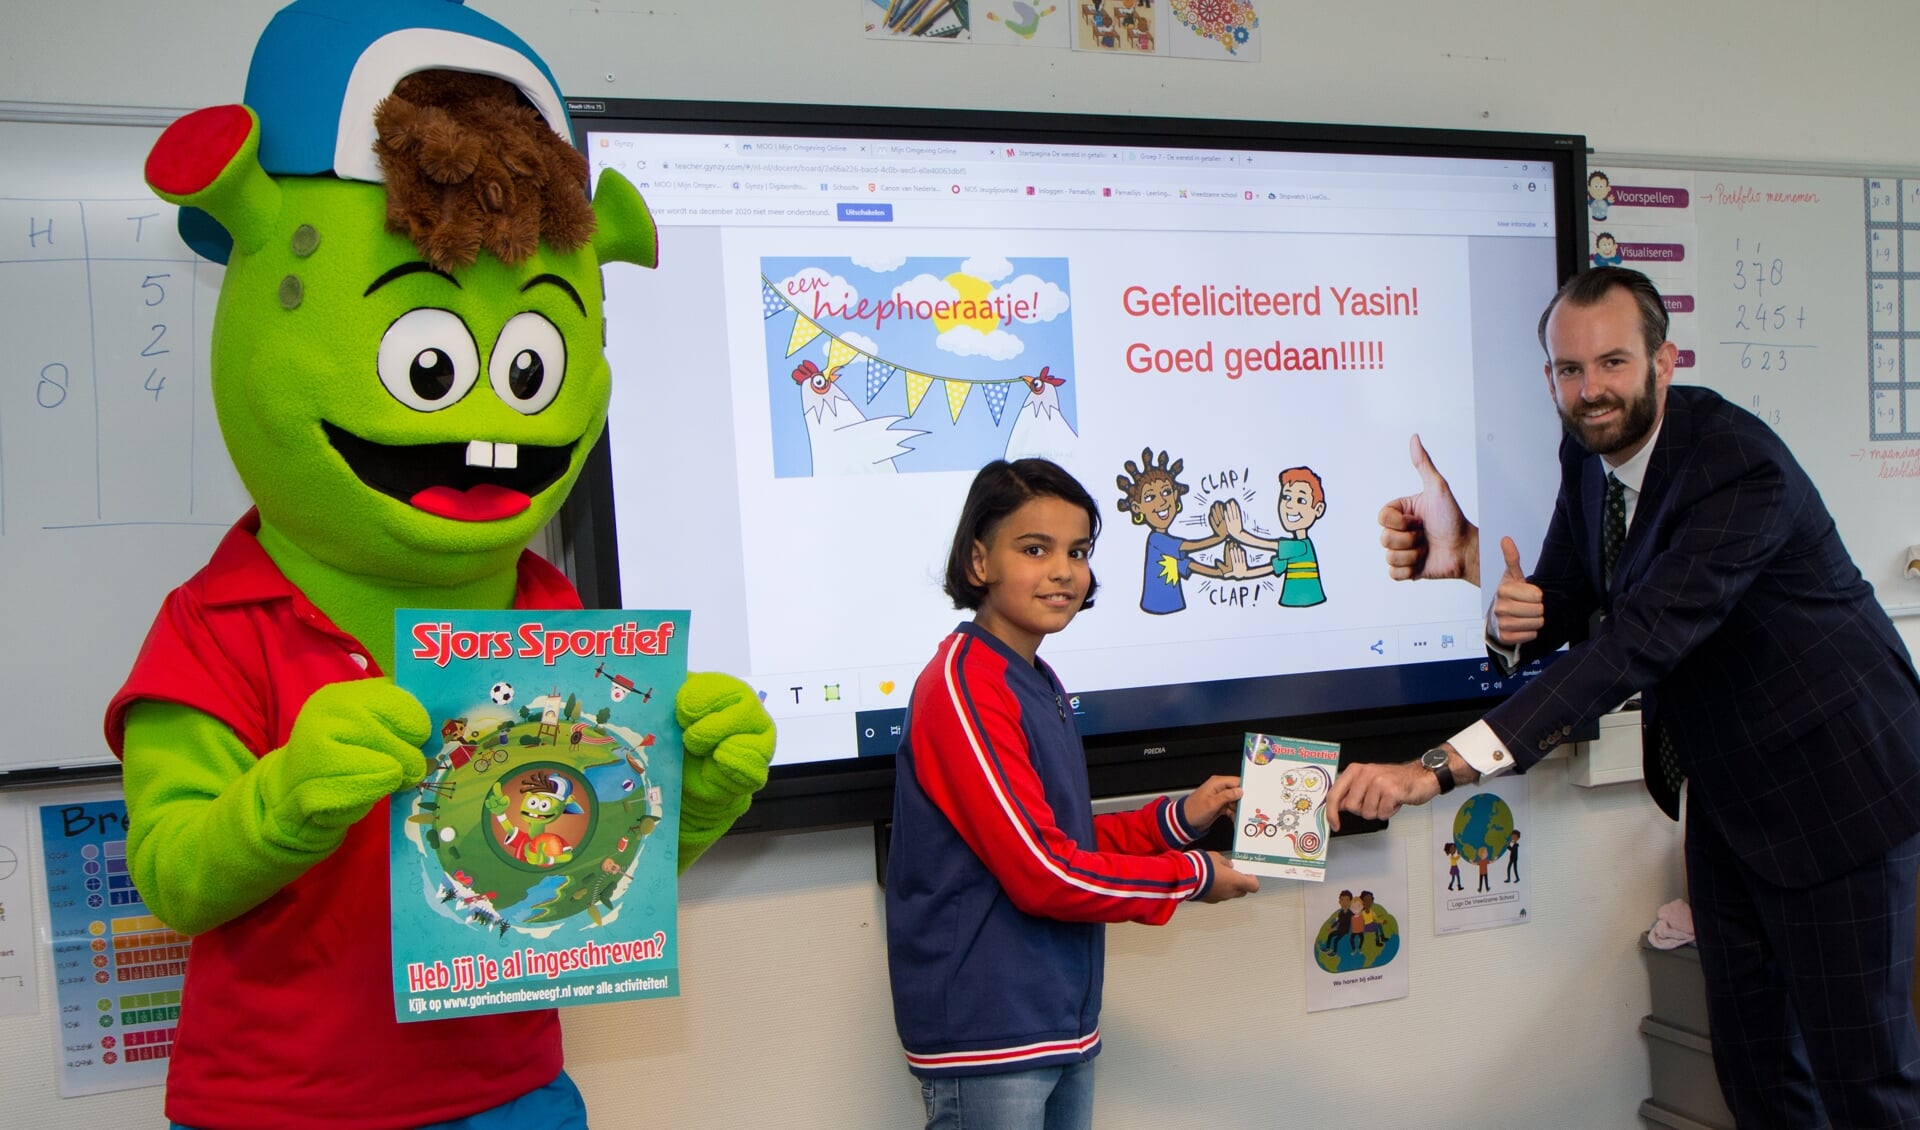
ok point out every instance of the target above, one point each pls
(19, 988)
(1644, 219)
(117, 970)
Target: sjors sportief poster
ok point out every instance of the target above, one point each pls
(535, 865)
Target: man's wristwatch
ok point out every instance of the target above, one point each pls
(1435, 759)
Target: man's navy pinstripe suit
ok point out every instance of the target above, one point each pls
(1795, 710)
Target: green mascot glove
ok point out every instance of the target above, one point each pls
(728, 737)
(234, 829)
(353, 744)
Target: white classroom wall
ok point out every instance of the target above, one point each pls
(785, 1019)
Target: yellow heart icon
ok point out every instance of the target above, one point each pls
(886, 687)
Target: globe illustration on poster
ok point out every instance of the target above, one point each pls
(534, 811)
(1358, 934)
(1484, 821)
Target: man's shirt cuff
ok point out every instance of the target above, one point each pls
(1478, 746)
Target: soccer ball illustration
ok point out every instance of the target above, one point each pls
(502, 693)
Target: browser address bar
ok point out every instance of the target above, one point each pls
(851, 168)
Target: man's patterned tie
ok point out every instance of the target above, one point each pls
(1662, 762)
(1613, 527)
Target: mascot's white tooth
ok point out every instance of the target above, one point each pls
(506, 456)
(479, 453)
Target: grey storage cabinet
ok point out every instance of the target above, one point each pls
(1686, 1094)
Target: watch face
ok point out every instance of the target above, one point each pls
(1434, 758)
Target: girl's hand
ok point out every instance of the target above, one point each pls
(1227, 882)
(1212, 800)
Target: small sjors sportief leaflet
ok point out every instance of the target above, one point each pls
(535, 865)
(1281, 827)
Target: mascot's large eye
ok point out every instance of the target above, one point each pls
(428, 360)
(820, 382)
(529, 362)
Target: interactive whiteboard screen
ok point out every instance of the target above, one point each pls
(855, 310)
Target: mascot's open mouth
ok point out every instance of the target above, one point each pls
(476, 481)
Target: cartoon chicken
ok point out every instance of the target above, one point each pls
(844, 441)
(1040, 428)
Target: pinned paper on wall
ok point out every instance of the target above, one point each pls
(118, 971)
(916, 19)
(19, 989)
(1226, 31)
(1040, 23)
(1356, 946)
(1478, 879)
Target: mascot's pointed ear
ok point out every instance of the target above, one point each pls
(210, 160)
(623, 231)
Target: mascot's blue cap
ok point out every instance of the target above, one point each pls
(321, 67)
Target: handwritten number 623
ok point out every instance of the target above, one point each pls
(1769, 360)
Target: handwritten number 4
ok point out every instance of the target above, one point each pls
(155, 382)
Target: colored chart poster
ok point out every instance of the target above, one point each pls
(536, 864)
(1281, 825)
(1356, 949)
(117, 970)
(1478, 879)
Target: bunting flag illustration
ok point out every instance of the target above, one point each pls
(839, 353)
(804, 331)
(957, 398)
(878, 369)
(917, 384)
(880, 372)
(996, 395)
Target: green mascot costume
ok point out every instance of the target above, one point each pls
(408, 372)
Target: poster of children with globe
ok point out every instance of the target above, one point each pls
(1355, 945)
(1478, 879)
(535, 865)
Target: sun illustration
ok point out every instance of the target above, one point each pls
(974, 295)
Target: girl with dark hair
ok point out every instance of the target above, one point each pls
(999, 875)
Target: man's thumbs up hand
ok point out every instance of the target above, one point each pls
(1519, 607)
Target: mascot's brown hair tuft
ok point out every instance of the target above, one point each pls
(470, 166)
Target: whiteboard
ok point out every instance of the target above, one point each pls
(1798, 297)
(114, 484)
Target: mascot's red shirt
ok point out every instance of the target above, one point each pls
(287, 1018)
